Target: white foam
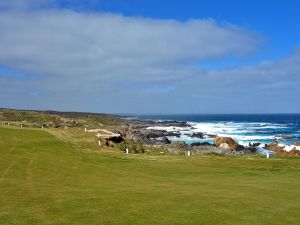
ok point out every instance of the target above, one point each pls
(242, 132)
(170, 128)
(291, 147)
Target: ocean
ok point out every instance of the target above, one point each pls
(245, 129)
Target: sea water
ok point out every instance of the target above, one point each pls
(245, 129)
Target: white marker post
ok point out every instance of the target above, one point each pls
(268, 155)
(85, 130)
(189, 153)
(21, 125)
(127, 151)
(99, 143)
(98, 135)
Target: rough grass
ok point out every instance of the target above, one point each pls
(44, 180)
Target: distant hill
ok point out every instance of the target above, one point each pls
(35, 118)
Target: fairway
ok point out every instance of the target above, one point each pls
(44, 180)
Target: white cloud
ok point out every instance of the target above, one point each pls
(135, 64)
(65, 43)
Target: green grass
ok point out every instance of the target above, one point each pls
(46, 181)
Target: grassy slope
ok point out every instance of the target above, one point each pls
(46, 181)
(38, 118)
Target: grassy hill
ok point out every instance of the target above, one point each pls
(63, 178)
(30, 118)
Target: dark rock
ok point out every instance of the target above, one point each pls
(240, 147)
(211, 135)
(173, 123)
(115, 139)
(250, 149)
(200, 143)
(197, 135)
(165, 140)
(159, 133)
(149, 137)
(256, 144)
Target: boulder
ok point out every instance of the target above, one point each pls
(224, 145)
(211, 135)
(115, 139)
(255, 144)
(280, 150)
(226, 142)
(197, 135)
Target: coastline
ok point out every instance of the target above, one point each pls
(199, 133)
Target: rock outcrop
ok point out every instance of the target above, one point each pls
(148, 137)
(199, 135)
(227, 143)
(280, 150)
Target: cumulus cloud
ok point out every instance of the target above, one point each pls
(68, 43)
(87, 60)
(269, 87)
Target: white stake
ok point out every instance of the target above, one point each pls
(268, 155)
(99, 143)
(98, 135)
(189, 153)
(127, 151)
(84, 129)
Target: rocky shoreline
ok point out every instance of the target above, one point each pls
(156, 134)
(142, 132)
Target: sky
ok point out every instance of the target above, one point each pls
(142, 56)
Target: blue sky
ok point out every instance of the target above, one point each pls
(150, 56)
